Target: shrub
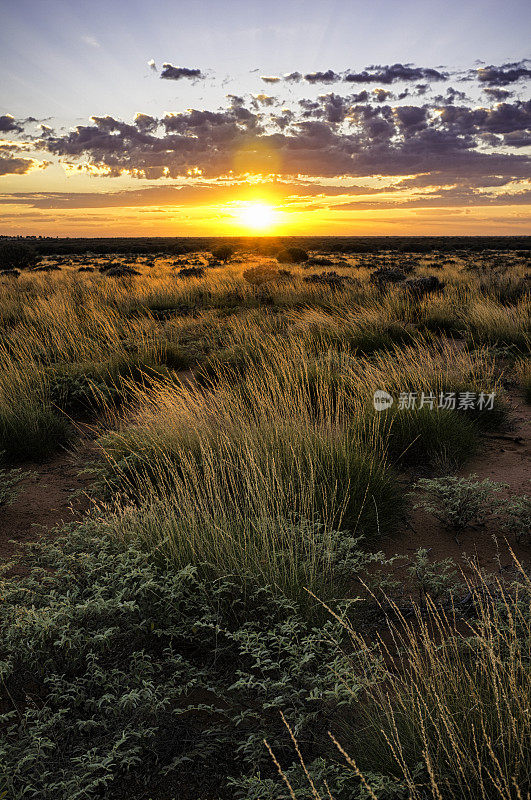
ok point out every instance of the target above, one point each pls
(223, 252)
(459, 502)
(261, 274)
(292, 255)
(75, 392)
(17, 255)
(516, 517)
(9, 485)
(118, 672)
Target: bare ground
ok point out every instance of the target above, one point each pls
(504, 458)
(45, 499)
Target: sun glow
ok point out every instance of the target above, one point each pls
(256, 215)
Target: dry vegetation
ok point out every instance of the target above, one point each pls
(244, 476)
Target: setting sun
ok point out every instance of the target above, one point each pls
(258, 216)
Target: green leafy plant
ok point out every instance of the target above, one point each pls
(436, 579)
(119, 671)
(459, 502)
(10, 485)
(517, 516)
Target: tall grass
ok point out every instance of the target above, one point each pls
(247, 477)
(30, 428)
(447, 716)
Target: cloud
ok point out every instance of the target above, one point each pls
(259, 100)
(381, 95)
(91, 41)
(171, 73)
(322, 77)
(9, 125)
(456, 150)
(13, 165)
(152, 65)
(395, 73)
(372, 140)
(499, 95)
(373, 74)
(199, 193)
(504, 74)
(146, 123)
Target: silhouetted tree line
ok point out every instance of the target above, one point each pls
(267, 245)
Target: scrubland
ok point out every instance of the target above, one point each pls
(223, 622)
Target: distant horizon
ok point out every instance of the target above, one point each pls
(275, 236)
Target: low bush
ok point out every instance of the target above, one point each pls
(223, 252)
(459, 502)
(516, 517)
(9, 485)
(292, 255)
(121, 675)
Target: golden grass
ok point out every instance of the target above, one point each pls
(448, 711)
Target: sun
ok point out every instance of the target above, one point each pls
(256, 215)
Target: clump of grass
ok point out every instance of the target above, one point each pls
(523, 373)
(447, 718)
(30, 428)
(488, 323)
(226, 476)
(429, 436)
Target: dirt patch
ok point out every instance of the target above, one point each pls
(504, 459)
(45, 498)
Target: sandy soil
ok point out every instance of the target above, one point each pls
(504, 458)
(45, 499)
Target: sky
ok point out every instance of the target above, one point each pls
(343, 117)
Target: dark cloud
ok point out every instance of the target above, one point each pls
(15, 166)
(504, 74)
(358, 135)
(395, 73)
(373, 74)
(146, 123)
(504, 118)
(381, 95)
(171, 73)
(12, 164)
(322, 77)
(260, 100)
(498, 95)
(9, 125)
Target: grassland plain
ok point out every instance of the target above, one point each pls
(227, 583)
